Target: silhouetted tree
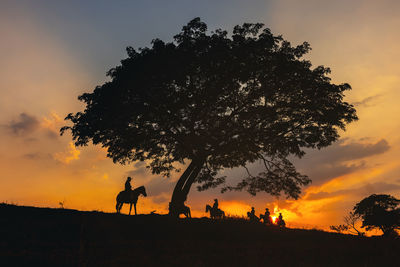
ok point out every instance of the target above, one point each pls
(339, 228)
(215, 101)
(379, 212)
(350, 225)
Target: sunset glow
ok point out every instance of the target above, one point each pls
(50, 54)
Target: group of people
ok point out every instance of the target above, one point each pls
(266, 217)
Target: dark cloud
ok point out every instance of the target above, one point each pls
(368, 101)
(160, 199)
(339, 159)
(341, 151)
(30, 140)
(159, 185)
(140, 169)
(31, 156)
(37, 156)
(24, 124)
(333, 161)
(51, 134)
(364, 191)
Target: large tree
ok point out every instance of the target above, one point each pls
(379, 212)
(214, 101)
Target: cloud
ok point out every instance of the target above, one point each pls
(140, 169)
(52, 125)
(159, 185)
(160, 199)
(66, 157)
(339, 159)
(363, 191)
(37, 156)
(31, 156)
(341, 151)
(368, 101)
(25, 124)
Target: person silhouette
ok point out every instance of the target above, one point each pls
(267, 216)
(252, 212)
(252, 215)
(128, 186)
(215, 206)
(281, 222)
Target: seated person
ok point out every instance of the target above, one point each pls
(252, 215)
(267, 217)
(215, 205)
(280, 222)
(128, 186)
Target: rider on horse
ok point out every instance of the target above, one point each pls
(128, 186)
(215, 206)
(280, 222)
(266, 216)
(252, 215)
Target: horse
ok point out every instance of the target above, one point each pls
(267, 219)
(252, 217)
(215, 213)
(181, 209)
(281, 223)
(185, 210)
(130, 197)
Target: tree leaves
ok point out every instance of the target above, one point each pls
(227, 100)
(379, 211)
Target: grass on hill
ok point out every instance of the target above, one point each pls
(62, 237)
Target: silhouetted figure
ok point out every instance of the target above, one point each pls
(130, 197)
(266, 217)
(215, 206)
(280, 222)
(252, 215)
(128, 186)
(215, 212)
(181, 209)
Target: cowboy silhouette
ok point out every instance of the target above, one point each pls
(128, 186)
(215, 206)
(252, 215)
(266, 216)
(281, 222)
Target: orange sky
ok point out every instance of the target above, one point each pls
(48, 58)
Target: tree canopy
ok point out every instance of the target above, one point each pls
(216, 100)
(379, 212)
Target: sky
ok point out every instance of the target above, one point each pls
(53, 51)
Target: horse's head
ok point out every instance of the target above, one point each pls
(208, 207)
(140, 190)
(143, 191)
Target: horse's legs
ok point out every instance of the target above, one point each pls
(117, 207)
(134, 204)
(130, 208)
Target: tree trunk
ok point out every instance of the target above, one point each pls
(182, 187)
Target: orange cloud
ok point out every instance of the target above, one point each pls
(52, 122)
(66, 157)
